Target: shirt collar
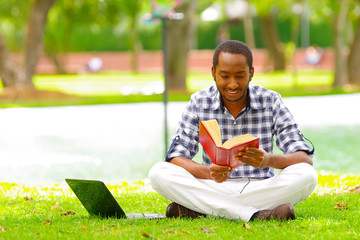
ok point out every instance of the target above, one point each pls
(254, 102)
(218, 101)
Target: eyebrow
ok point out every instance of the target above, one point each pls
(223, 71)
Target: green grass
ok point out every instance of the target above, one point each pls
(107, 88)
(34, 212)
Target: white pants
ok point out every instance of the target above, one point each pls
(234, 198)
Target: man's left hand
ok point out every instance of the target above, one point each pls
(255, 157)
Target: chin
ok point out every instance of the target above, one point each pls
(234, 98)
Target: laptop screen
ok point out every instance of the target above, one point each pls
(96, 198)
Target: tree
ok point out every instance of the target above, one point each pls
(179, 36)
(340, 13)
(94, 15)
(266, 13)
(249, 27)
(235, 12)
(178, 39)
(19, 76)
(132, 9)
(68, 16)
(354, 59)
(354, 56)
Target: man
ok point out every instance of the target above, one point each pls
(250, 191)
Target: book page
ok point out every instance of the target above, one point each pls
(238, 140)
(213, 128)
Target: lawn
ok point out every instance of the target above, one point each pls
(114, 84)
(53, 212)
(111, 84)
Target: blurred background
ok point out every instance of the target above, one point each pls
(95, 88)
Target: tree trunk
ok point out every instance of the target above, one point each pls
(9, 72)
(56, 52)
(272, 42)
(136, 45)
(249, 28)
(354, 59)
(178, 45)
(340, 75)
(34, 38)
(193, 26)
(58, 61)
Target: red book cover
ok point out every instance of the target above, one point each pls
(220, 155)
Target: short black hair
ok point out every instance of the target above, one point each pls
(233, 46)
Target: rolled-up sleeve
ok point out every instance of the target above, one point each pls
(289, 138)
(186, 140)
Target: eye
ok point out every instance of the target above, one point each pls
(224, 77)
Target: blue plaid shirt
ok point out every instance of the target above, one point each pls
(265, 116)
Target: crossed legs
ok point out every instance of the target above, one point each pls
(234, 198)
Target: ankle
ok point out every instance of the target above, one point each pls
(254, 216)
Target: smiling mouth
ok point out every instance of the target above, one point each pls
(232, 92)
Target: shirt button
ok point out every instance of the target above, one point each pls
(234, 122)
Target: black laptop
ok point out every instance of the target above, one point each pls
(98, 200)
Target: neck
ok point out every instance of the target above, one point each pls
(235, 107)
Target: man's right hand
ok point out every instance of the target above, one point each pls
(219, 173)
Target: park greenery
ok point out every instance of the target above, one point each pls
(60, 27)
(53, 212)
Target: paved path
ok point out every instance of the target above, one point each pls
(152, 61)
(111, 141)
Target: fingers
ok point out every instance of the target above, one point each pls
(219, 173)
(220, 178)
(249, 160)
(252, 156)
(251, 152)
(220, 169)
(248, 155)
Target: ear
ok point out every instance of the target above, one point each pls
(213, 73)
(251, 73)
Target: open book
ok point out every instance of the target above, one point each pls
(223, 153)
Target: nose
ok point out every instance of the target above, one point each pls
(233, 84)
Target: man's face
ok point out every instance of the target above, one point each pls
(232, 76)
